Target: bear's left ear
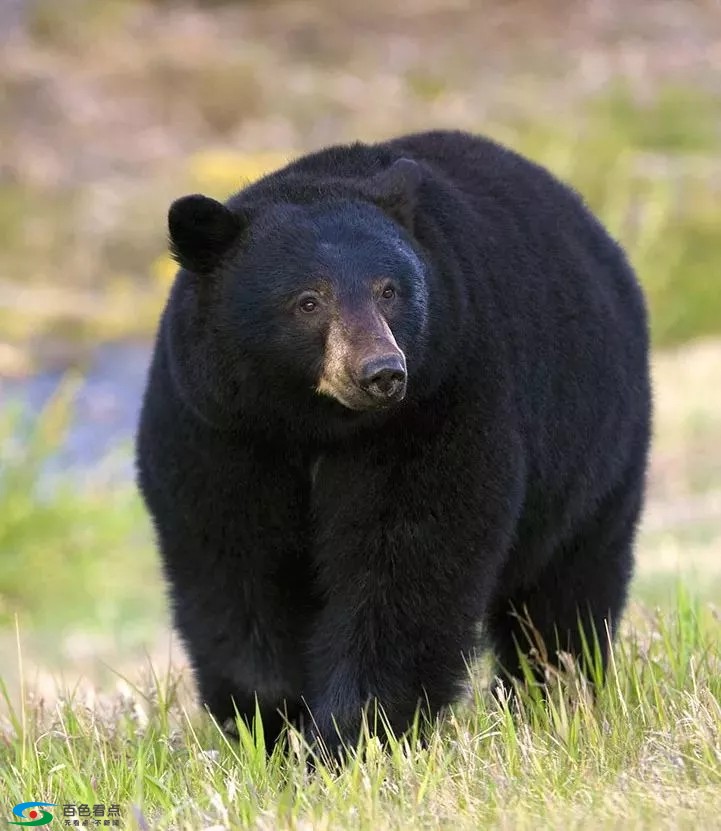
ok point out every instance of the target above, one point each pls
(395, 190)
(201, 231)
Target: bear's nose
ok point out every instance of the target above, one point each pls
(384, 378)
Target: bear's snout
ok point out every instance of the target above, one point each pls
(364, 368)
(384, 378)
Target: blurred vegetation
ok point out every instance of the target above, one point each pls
(665, 209)
(71, 551)
(111, 109)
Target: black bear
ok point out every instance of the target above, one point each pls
(399, 396)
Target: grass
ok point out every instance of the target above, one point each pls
(646, 754)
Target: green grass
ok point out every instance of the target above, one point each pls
(646, 754)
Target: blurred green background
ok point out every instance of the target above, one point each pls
(112, 108)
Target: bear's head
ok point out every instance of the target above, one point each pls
(304, 300)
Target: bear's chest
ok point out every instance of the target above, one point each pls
(314, 470)
(348, 486)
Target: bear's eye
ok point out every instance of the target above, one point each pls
(388, 293)
(308, 305)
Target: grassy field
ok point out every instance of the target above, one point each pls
(647, 754)
(99, 706)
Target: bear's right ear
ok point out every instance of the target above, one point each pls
(395, 190)
(201, 231)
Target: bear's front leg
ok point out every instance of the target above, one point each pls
(408, 548)
(232, 528)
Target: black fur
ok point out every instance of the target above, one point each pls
(201, 231)
(333, 556)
